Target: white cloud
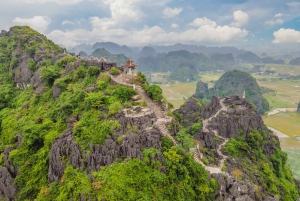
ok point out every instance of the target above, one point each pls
(60, 2)
(286, 36)
(104, 30)
(240, 18)
(198, 22)
(67, 22)
(293, 4)
(174, 25)
(274, 22)
(39, 23)
(279, 15)
(171, 12)
(125, 10)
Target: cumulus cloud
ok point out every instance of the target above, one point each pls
(174, 25)
(171, 12)
(39, 23)
(198, 22)
(274, 22)
(240, 18)
(279, 15)
(286, 36)
(147, 35)
(125, 10)
(60, 2)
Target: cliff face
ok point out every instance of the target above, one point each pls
(235, 139)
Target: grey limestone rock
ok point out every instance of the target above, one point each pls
(7, 189)
(232, 189)
(190, 111)
(56, 91)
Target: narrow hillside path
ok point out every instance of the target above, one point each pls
(162, 121)
(205, 129)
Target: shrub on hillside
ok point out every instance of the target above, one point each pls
(93, 71)
(114, 71)
(155, 92)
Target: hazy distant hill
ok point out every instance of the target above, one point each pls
(198, 49)
(147, 52)
(235, 83)
(270, 60)
(249, 57)
(168, 62)
(185, 72)
(101, 52)
(82, 53)
(113, 48)
(295, 61)
(227, 58)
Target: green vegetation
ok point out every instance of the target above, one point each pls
(235, 83)
(30, 123)
(155, 92)
(275, 176)
(114, 71)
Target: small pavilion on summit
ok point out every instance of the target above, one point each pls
(130, 65)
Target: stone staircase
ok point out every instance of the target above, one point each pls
(164, 130)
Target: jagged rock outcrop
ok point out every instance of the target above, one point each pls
(37, 83)
(116, 146)
(211, 108)
(232, 189)
(56, 91)
(240, 116)
(190, 111)
(8, 189)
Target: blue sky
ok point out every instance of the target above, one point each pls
(262, 25)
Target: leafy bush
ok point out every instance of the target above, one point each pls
(155, 92)
(49, 74)
(93, 71)
(114, 108)
(114, 71)
(124, 93)
(32, 65)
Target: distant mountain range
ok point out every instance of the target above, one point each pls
(168, 57)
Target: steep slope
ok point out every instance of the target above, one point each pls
(85, 137)
(236, 83)
(91, 135)
(295, 61)
(185, 72)
(234, 140)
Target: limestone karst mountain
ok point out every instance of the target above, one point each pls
(185, 72)
(235, 83)
(82, 129)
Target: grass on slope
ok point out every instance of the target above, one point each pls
(293, 161)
